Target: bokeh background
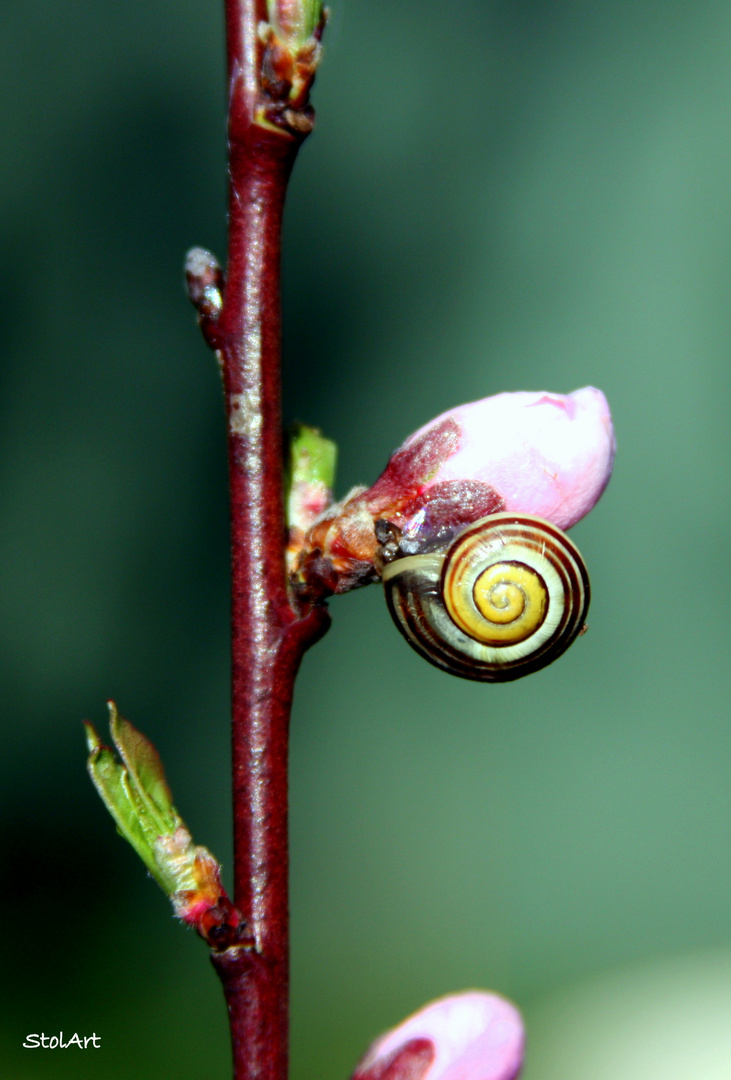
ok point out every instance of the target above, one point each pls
(500, 194)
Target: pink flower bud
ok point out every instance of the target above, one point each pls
(470, 1036)
(544, 454)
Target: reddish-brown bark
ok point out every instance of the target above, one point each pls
(269, 637)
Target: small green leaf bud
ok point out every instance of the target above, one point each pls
(134, 790)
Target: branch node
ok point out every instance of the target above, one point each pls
(204, 283)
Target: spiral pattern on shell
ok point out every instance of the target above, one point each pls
(505, 597)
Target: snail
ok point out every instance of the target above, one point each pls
(503, 597)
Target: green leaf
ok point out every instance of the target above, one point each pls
(111, 781)
(145, 771)
(309, 473)
(136, 794)
(312, 457)
(294, 21)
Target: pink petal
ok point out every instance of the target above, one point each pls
(473, 1036)
(545, 454)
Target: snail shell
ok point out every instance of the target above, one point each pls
(504, 597)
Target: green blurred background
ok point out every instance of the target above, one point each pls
(500, 194)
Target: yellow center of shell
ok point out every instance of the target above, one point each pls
(509, 603)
